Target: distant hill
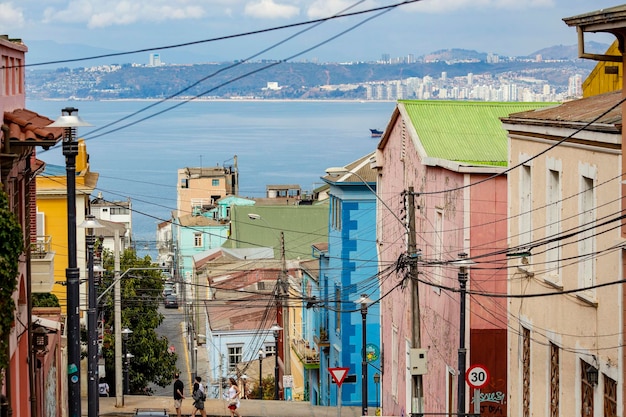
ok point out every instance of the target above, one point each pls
(557, 52)
(48, 51)
(569, 52)
(455, 54)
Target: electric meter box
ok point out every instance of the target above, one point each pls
(419, 362)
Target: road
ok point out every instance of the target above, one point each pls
(172, 328)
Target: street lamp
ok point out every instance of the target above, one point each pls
(377, 381)
(276, 328)
(364, 302)
(125, 333)
(463, 264)
(70, 122)
(93, 396)
(261, 355)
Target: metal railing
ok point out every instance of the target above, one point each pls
(40, 247)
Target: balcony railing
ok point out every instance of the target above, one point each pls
(309, 357)
(42, 265)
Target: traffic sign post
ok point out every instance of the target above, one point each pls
(338, 375)
(477, 376)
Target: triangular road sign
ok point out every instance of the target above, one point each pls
(338, 374)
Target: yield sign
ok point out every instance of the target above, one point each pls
(338, 374)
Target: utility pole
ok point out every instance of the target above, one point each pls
(417, 403)
(284, 284)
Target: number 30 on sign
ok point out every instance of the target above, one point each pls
(477, 376)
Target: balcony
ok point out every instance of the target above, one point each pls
(41, 265)
(309, 357)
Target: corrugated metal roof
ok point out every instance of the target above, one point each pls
(579, 112)
(463, 131)
(355, 172)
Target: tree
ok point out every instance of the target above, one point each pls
(141, 294)
(45, 300)
(11, 247)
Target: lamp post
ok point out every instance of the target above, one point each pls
(125, 333)
(261, 355)
(463, 264)
(377, 381)
(276, 328)
(93, 396)
(364, 302)
(70, 122)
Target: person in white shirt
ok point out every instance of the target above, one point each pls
(103, 388)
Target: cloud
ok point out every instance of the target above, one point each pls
(99, 14)
(325, 8)
(10, 17)
(268, 9)
(441, 6)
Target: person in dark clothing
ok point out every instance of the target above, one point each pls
(179, 396)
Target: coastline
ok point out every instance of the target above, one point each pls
(218, 100)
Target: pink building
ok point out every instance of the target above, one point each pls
(450, 157)
(22, 131)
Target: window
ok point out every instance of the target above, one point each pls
(526, 204)
(184, 183)
(234, 356)
(215, 183)
(610, 397)
(335, 214)
(586, 390)
(553, 221)
(394, 362)
(438, 247)
(197, 239)
(525, 372)
(119, 210)
(270, 350)
(337, 309)
(586, 244)
(554, 380)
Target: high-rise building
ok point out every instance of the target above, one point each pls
(155, 60)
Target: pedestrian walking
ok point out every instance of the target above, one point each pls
(233, 398)
(198, 399)
(103, 388)
(179, 396)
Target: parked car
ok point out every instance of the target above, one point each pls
(168, 289)
(171, 301)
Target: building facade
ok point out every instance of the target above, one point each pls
(449, 159)
(565, 332)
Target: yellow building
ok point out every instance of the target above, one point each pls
(606, 76)
(52, 218)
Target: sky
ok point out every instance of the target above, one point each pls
(78, 28)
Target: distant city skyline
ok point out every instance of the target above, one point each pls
(92, 27)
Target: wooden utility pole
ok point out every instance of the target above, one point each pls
(417, 403)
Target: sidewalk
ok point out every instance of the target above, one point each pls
(249, 408)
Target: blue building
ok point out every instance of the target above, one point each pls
(349, 269)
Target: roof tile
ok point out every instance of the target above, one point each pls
(26, 126)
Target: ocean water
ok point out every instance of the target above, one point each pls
(276, 142)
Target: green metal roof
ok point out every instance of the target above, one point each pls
(464, 131)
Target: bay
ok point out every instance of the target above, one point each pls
(276, 142)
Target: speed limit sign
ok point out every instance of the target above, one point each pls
(477, 376)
